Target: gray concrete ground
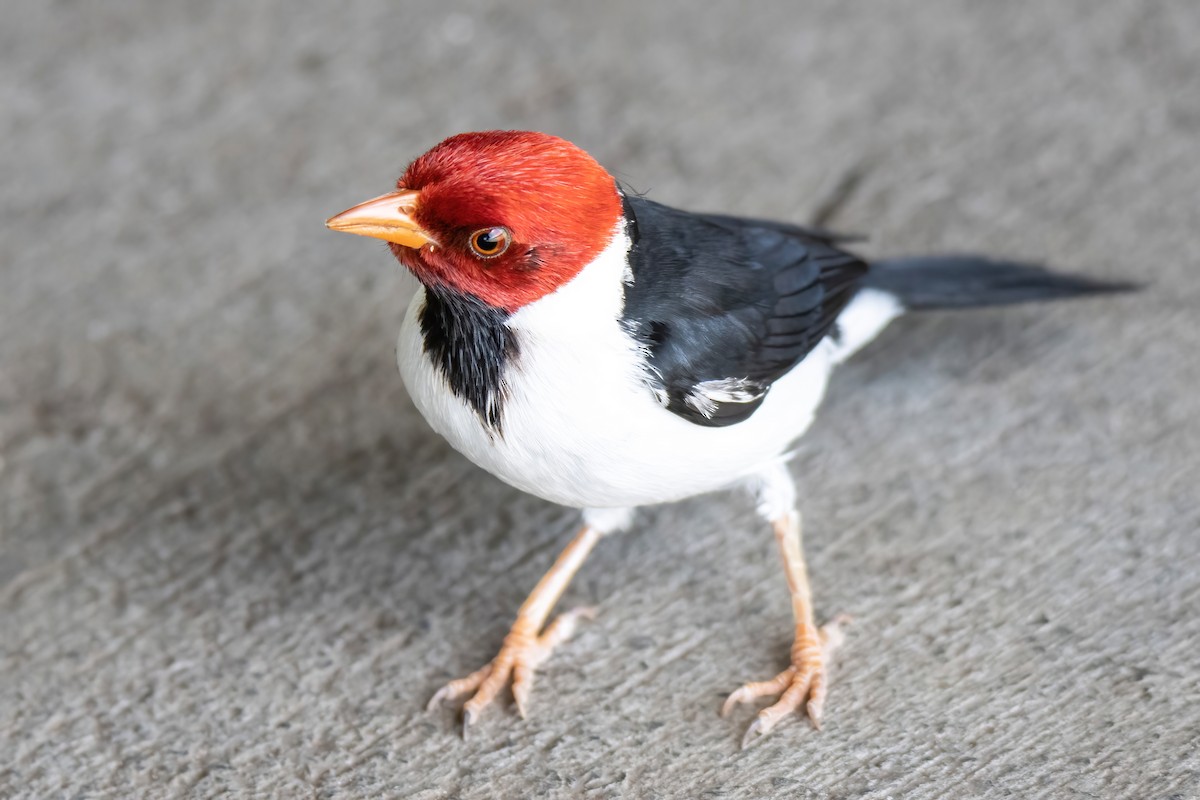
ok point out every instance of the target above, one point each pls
(236, 563)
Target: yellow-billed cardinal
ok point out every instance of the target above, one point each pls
(605, 352)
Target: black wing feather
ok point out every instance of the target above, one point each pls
(718, 298)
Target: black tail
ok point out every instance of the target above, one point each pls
(927, 282)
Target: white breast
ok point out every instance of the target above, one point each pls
(580, 425)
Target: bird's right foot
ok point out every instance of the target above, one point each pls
(800, 687)
(523, 650)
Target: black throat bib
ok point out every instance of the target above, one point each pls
(471, 343)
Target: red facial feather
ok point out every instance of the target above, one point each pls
(560, 206)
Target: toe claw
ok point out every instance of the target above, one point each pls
(753, 733)
(522, 682)
(736, 698)
(814, 713)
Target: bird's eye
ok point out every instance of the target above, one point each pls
(490, 242)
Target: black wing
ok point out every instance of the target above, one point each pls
(726, 306)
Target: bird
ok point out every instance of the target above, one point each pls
(603, 351)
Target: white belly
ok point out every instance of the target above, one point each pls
(579, 425)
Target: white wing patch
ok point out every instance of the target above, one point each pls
(704, 396)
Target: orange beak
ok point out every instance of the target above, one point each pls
(388, 217)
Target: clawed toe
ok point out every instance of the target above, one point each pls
(800, 686)
(514, 665)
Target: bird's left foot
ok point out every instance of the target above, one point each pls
(800, 686)
(522, 652)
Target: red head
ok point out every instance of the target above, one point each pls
(506, 216)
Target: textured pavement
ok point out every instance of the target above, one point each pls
(235, 562)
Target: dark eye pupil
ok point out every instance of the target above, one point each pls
(489, 241)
